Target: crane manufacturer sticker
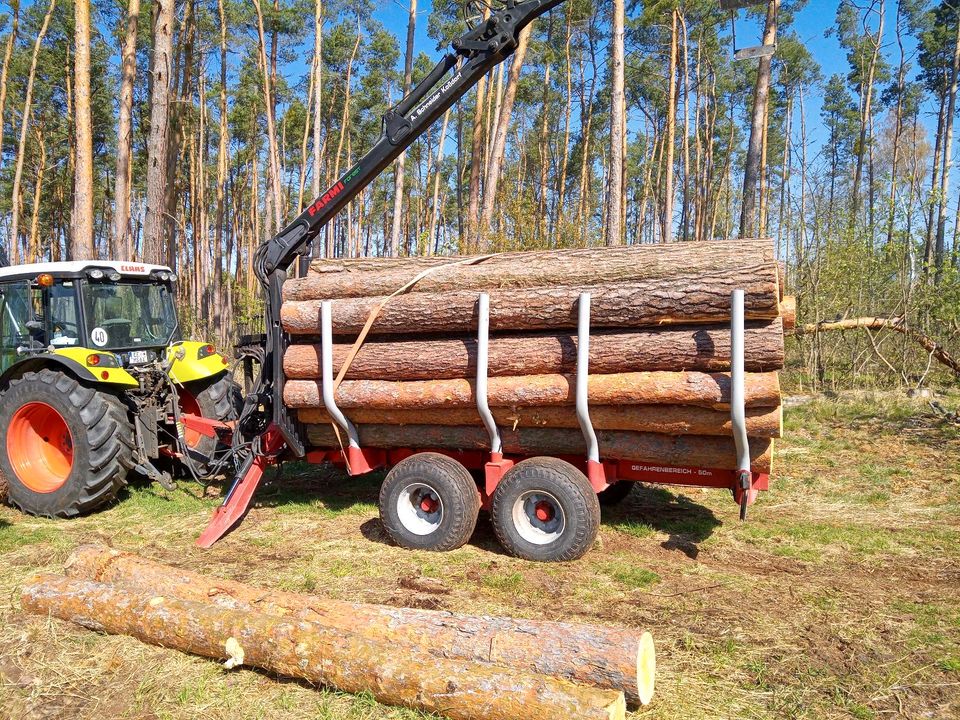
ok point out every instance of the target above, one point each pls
(99, 337)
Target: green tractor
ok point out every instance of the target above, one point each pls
(96, 384)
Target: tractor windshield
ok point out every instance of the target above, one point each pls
(126, 315)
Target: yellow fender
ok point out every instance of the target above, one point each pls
(194, 360)
(97, 365)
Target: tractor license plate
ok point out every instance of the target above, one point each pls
(138, 356)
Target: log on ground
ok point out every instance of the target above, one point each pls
(701, 297)
(664, 419)
(710, 390)
(615, 658)
(366, 276)
(401, 676)
(704, 348)
(655, 449)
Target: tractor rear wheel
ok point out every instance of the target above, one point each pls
(65, 448)
(217, 398)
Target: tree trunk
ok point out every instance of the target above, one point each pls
(34, 251)
(275, 191)
(666, 232)
(81, 242)
(461, 690)
(694, 348)
(317, 96)
(709, 390)
(681, 450)
(761, 93)
(154, 223)
(500, 138)
(122, 238)
(866, 121)
(940, 244)
(22, 144)
(401, 160)
(663, 419)
(606, 657)
(7, 52)
(618, 130)
(719, 262)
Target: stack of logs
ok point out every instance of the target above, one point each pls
(461, 666)
(659, 350)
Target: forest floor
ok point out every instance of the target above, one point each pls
(840, 597)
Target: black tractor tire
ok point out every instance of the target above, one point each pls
(216, 398)
(100, 444)
(545, 509)
(429, 501)
(616, 493)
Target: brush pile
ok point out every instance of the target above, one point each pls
(659, 349)
(461, 666)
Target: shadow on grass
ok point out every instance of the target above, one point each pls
(329, 488)
(4, 524)
(649, 508)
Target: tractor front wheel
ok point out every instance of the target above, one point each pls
(65, 448)
(218, 398)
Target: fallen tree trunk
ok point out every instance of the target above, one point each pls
(366, 277)
(703, 297)
(664, 419)
(934, 348)
(607, 657)
(711, 390)
(705, 348)
(656, 449)
(394, 675)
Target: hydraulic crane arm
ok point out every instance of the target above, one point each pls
(471, 56)
(480, 49)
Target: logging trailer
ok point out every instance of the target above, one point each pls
(152, 385)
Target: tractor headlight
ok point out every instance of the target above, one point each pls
(173, 277)
(163, 275)
(95, 274)
(205, 351)
(114, 276)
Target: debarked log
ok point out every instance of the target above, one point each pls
(616, 658)
(664, 419)
(700, 298)
(394, 675)
(711, 390)
(668, 450)
(704, 348)
(381, 276)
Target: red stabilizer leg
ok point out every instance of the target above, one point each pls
(235, 505)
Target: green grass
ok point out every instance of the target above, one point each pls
(836, 597)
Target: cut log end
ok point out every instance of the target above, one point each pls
(646, 668)
(618, 708)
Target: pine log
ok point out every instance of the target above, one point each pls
(330, 279)
(664, 419)
(394, 675)
(788, 312)
(614, 658)
(700, 297)
(653, 448)
(705, 348)
(710, 390)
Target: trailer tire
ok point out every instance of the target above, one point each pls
(545, 509)
(429, 501)
(616, 493)
(65, 447)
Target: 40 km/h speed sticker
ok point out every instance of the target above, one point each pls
(99, 337)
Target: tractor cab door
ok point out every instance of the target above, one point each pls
(21, 320)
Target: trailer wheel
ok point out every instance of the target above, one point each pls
(545, 509)
(616, 493)
(429, 501)
(65, 448)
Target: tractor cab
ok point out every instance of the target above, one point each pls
(125, 308)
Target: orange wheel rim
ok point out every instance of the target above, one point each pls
(40, 447)
(190, 406)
